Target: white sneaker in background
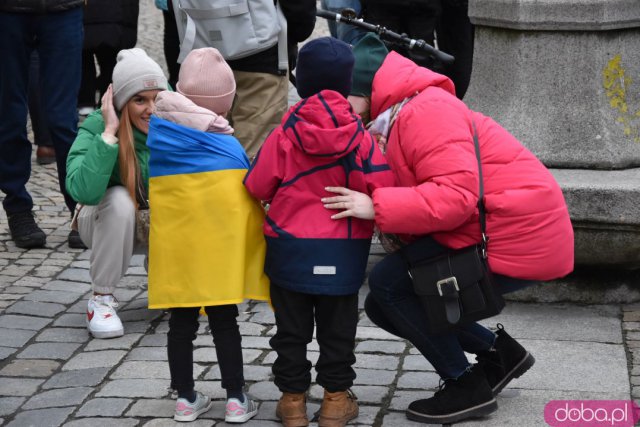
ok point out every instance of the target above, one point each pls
(85, 111)
(102, 319)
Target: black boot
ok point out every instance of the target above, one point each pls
(505, 361)
(469, 396)
(25, 232)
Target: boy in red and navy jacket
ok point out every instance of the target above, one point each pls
(316, 264)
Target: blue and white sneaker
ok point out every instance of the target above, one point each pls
(187, 411)
(238, 412)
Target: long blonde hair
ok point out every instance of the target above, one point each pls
(127, 159)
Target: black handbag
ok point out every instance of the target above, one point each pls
(457, 287)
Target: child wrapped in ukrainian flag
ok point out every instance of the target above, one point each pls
(206, 247)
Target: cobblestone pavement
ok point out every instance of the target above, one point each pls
(52, 373)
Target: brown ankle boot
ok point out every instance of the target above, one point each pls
(292, 410)
(338, 409)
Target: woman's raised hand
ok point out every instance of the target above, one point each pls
(352, 203)
(111, 121)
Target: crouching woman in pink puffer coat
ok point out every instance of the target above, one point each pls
(427, 135)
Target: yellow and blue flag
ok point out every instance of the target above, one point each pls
(206, 245)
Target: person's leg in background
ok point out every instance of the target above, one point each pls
(106, 57)
(16, 44)
(336, 324)
(171, 42)
(60, 38)
(88, 84)
(455, 34)
(261, 101)
(45, 154)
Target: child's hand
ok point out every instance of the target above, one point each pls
(111, 121)
(354, 203)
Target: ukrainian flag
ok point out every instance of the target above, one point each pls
(206, 245)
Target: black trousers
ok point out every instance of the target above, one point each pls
(336, 319)
(183, 326)
(91, 80)
(455, 36)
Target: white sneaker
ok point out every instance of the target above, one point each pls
(238, 412)
(187, 411)
(102, 319)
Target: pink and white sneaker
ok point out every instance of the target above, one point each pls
(238, 412)
(187, 411)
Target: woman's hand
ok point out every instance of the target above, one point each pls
(111, 121)
(354, 203)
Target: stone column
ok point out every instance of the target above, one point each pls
(564, 77)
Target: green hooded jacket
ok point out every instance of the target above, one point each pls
(92, 164)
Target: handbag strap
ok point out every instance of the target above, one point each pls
(481, 208)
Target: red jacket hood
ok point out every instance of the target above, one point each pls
(399, 78)
(323, 125)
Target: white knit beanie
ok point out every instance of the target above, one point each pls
(135, 72)
(207, 80)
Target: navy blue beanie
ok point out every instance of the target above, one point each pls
(324, 63)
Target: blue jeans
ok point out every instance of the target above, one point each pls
(58, 39)
(347, 33)
(392, 305)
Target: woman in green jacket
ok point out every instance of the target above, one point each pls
(108, 175)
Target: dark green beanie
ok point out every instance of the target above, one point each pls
(369, 52)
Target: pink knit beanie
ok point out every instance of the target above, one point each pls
(207, 80)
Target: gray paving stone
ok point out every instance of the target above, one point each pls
(147, 369)
(264, 390)
(579, 366)
(136, 304)
(203, 340)
(374, 333)
(264, 317)
(399, 419)
(137, 327)
(19, 386)
(419, 380)
(104, 407)
(154, 340)
(6, 352)
(149, 388)
(366, 416)
(387, 347)
(66, 286)
(255, 342)
(30, 368)
(95, 359)
(164, 408)
(103, 422)
(54, 416)
(72, 320)
(402, 398)
(9, 405)
(77, 378)
(164, 422)
(21, 290)
(67, 335)
(416, 363)
(58, 397)
(34, 308)
(140, 314)
(148, 353)
(50, 350)
(15, 337)
(541, 321)
(75, 275)
(251, 373)
(213, 389)
(374, 377)
(22, 322)
(124, 342)
(374, 361)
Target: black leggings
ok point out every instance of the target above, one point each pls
(183, 326)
